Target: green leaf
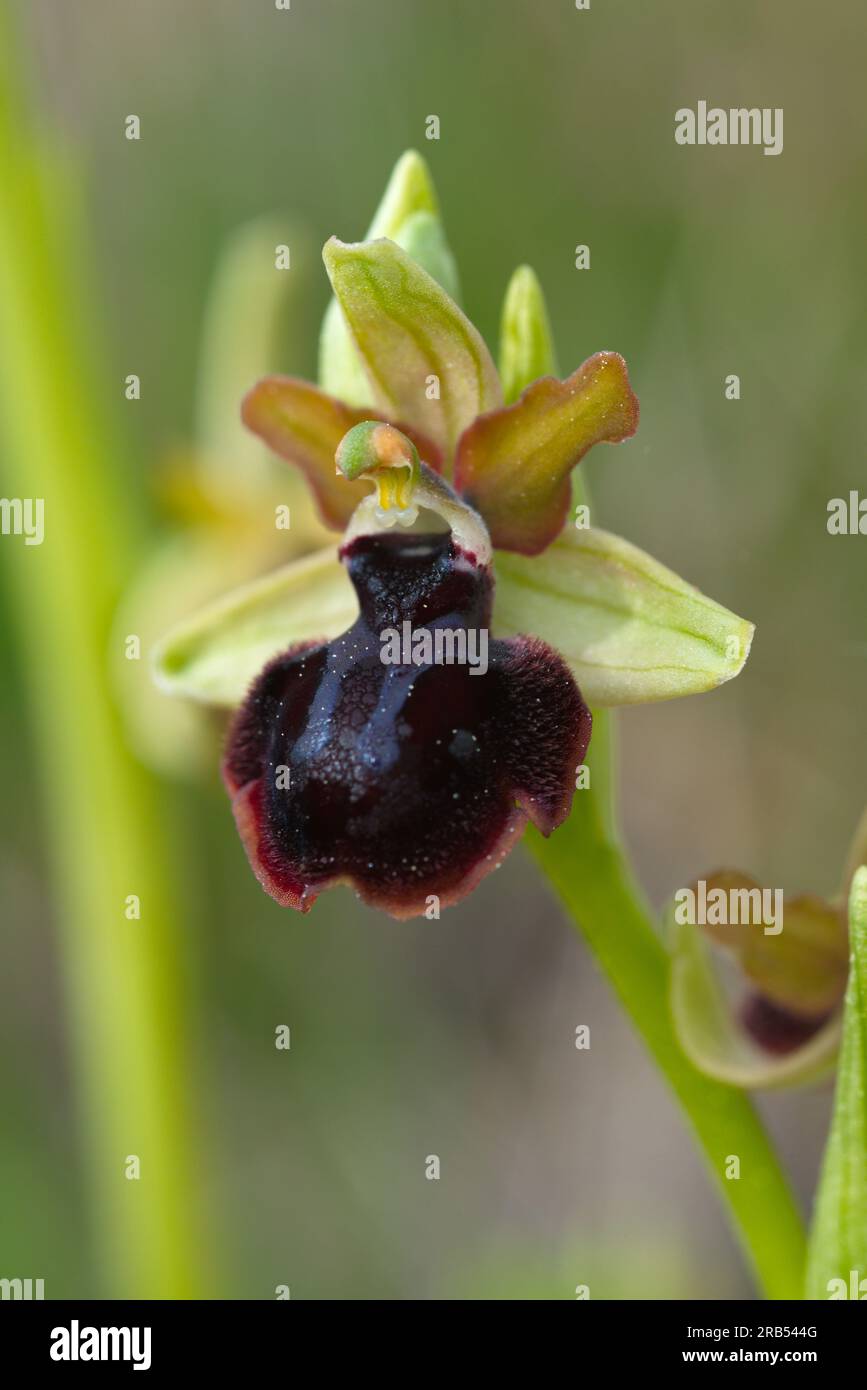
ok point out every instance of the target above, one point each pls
(410, 194)
(838, 1242)
(214, 656)
(407, 330)
(526, 345)
(710, 1033)
(631, 629)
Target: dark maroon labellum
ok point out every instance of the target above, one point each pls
(405, 780)
(778, 1030)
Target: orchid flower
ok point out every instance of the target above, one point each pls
(407, 776)
(781, 1021)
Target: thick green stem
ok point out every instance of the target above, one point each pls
(587, 868)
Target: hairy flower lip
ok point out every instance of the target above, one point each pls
(288, 890)
(406, 783)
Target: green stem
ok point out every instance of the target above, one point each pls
(125, 990)
(586, 866)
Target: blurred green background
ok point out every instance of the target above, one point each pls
(457, 1038)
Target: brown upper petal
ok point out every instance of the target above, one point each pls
(513, 464)
(304, 425)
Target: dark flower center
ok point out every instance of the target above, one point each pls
(778, 1030)
(403, 778)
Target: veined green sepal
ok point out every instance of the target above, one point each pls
(631, 629)
(428, 365)
(213, 657)
(409, 215)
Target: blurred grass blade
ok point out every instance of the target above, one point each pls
(129, 1009)
(838, 1241)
